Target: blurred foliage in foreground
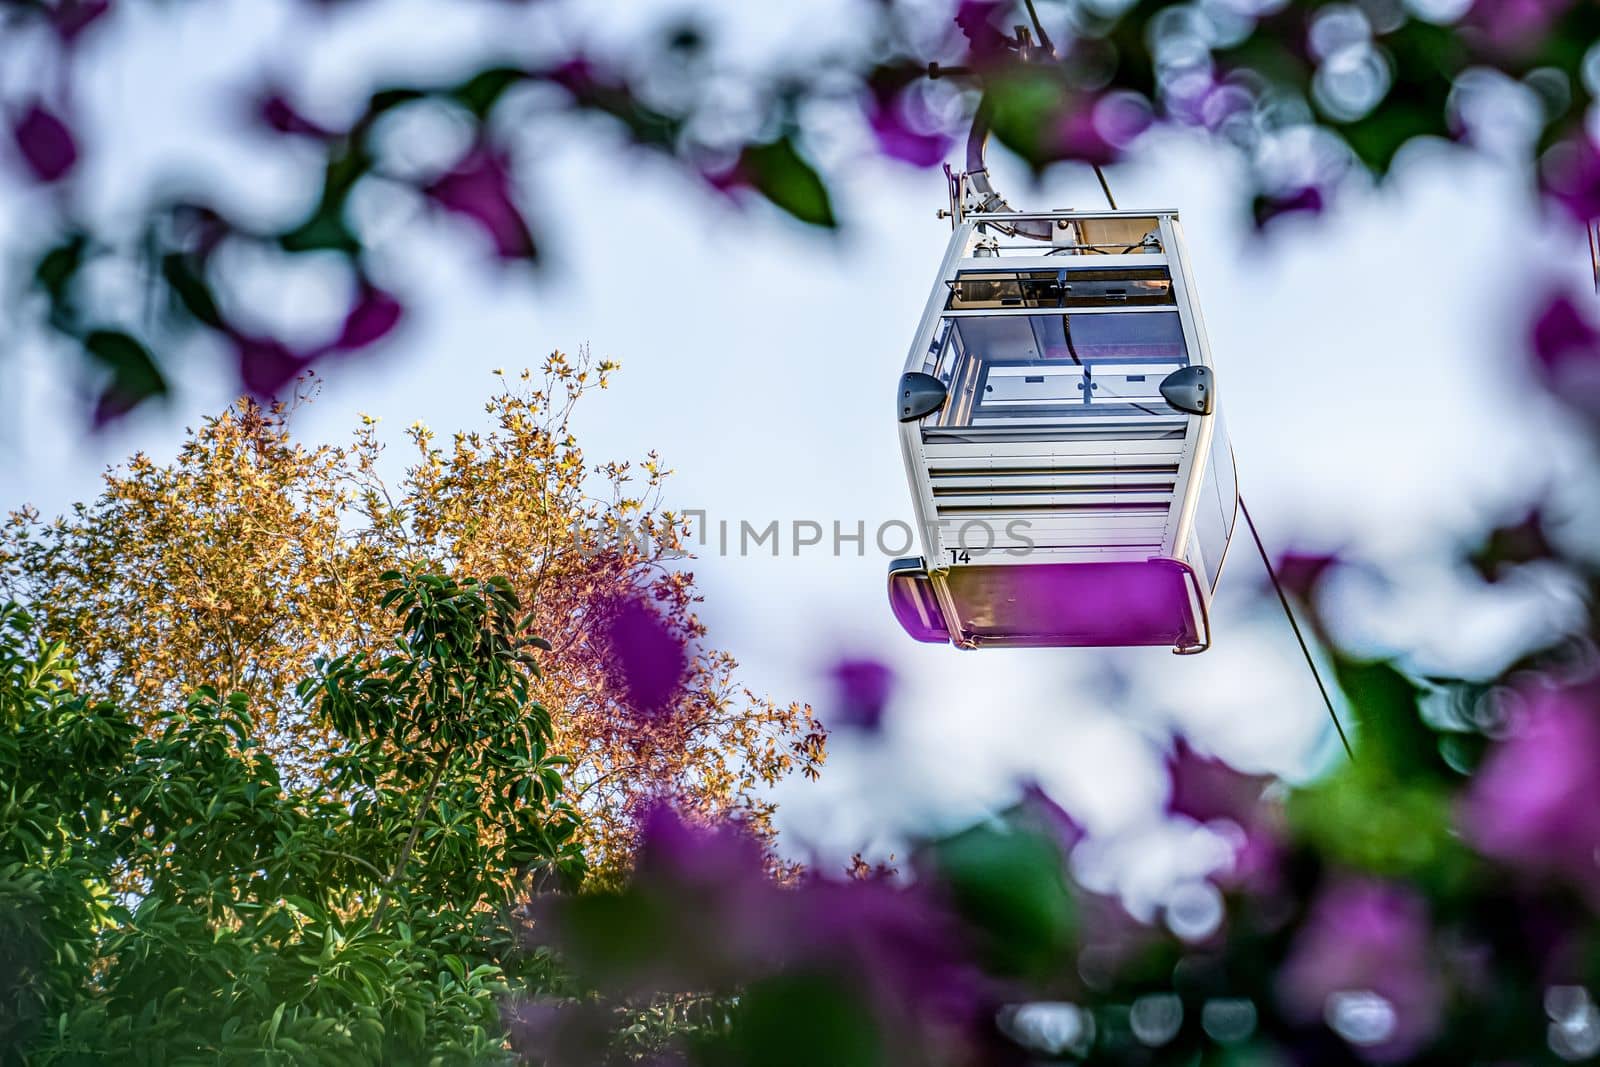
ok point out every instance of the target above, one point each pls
(1306, 91)
(1434, 901)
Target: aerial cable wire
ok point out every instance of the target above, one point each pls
(1106, 186)
(1593, 229)
(1283, 598)
(1305, 650)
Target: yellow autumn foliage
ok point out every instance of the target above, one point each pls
(251, 554)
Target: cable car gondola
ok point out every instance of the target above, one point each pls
(1070, 474)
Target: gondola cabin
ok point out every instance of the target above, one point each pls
(1069, 471)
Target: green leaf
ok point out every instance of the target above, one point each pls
(134, 375)
(54, 273)
(481, 92)
(778, 172)
(191, 290)
(1011, 884)
(806, 1020)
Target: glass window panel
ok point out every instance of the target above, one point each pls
(1011, 369)
(1114, 288)
(1065, 287)
(1216, 510)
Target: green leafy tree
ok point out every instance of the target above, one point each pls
(166, 898)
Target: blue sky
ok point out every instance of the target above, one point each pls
(1369, 364)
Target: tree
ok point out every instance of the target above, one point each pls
(239, 564)
(265, 922)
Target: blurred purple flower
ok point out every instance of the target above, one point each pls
(266, 364)
(557, 1033)
(1111, 938)
(1300, 572)
(1258, 859)
(907, 951)
(713, 879)
(1121, 117)
(1571, 176)
(1078, 136)
(1536, 800)
(278, 113)
(863, 690)
(479, 188)
(374, 314)
(986, 43)
(1208, 101)
(904, 128)
(1361, 962)
(46, 144)
(1566, 353)
(1511, 545)
(1270, 207)
(1204, 788)
(111, 405)
(69, 18)
(1563, 336)
(707, 915)
(582, 77)
(1050, 816)
(652, 659)
(1514, 26)
(675, 851)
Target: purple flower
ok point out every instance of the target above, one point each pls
(1205, 789)
(45, 142)
(1566, 353)
(373, 315)
(1511, 545)
(1536, 800)
(1562, 336)
(1305, 200)
(1514, 26)
(69, 18)
(1361, 962)
(987, 45)
(652, 659)
(703, 855)
(905, 129)
(1111, 937)
(479, 188)
(712, 890)
(557, 1033)
(1121, 117)
(1571, 177)
(1300, 572)
(1078, 136)
(901, 945)
(863, 687)
(274, 109)
(1041, 808)
(266, 364)
(701, 912)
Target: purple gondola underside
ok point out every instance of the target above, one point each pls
(1138, 602)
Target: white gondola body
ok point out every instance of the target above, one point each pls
(1061, 500)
